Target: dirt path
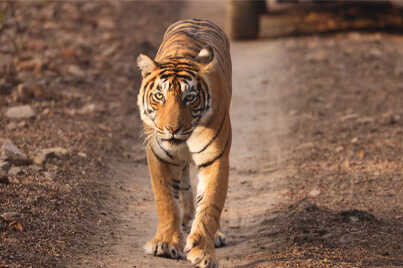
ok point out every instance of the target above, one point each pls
(316, 170)
(279, 201)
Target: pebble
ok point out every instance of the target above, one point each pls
(75, 71)
(314, 193)
(12, 154)
(12, 126)
(45, 154)
(10, 216)
(20, 112)
(91, 108)
(14, 171)
(83, 155)
(4, 168)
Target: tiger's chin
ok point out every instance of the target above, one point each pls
(172, 144)
(174, 141)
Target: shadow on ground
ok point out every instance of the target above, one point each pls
(301, 232)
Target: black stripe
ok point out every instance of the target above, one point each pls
(144, 90)
(204, 23)
(215, 136)
(199, 198)
(175, 186)
(161, 159)
(208, 163)
(165, 76)
(208, 94)
(178, 188)
(203, 93)
(186, 65)
(186, 77)
(164, 71)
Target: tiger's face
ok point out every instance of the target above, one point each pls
(175, 105)
(172, 100)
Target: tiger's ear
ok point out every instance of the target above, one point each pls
(206, 58)
(146, 64)
(206, 55)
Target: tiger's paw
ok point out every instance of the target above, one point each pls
(198, 252)
(160, 248)
(220, 240)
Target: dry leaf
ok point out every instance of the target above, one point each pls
(16, 225)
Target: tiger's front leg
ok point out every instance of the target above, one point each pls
(211, 193)
(167, 241)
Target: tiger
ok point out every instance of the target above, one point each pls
(184, 103)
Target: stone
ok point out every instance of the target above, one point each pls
(10, 216)
(83, 155)
(75, 71)
(91, 108)
(46, 154)
(20, 112)
(14, 171)
(4, 168)
(314, 192)
(9, 152)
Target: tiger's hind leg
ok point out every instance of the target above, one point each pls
(186, 201)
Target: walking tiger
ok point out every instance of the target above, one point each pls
(184, 102)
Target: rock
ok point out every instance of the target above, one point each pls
(90, 108)
(10, 216)
(4, 168)
(22, 124)
(66, 188)
(12, 154)
(306, 145)
(75, 71)
(12, 126)
(45, 154)
(14, 171)
(339, 149)
(20, 112)
(314, 193)
(29, 65)
(83, 155)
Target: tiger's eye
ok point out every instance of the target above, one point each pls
(158, 96)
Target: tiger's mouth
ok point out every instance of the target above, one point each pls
(174, 138)
(174, 141)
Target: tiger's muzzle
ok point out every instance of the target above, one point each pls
(174, 135)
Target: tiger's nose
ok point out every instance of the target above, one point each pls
(173, 130)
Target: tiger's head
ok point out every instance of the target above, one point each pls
(173, 96)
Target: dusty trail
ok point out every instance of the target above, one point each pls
(316, 174)
(290, 177)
